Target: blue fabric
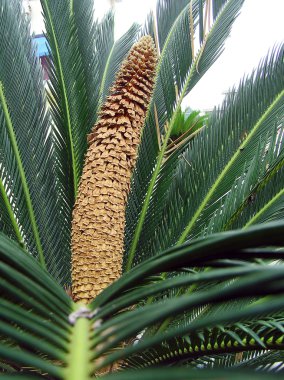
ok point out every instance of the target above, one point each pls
(42, 44)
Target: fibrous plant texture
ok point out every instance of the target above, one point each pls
(99, 213)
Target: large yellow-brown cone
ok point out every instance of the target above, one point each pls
(99, 213)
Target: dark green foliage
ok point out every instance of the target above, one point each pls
(177, 74)
(84, 60)
(257, 325)
(183, 373)
(222, 153)
(39, 222)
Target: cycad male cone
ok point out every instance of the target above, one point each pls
(99, 213)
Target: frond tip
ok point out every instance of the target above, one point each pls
(99, 213)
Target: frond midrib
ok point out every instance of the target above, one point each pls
(65, 100)
(10, 212)
(227, 168)
(22, 176)
(79, 356)
(197, 351)
(264, 209)
(104, 78)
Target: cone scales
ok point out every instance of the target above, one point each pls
(99, 213)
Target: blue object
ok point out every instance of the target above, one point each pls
(42, 45)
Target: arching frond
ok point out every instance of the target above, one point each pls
(29, 180)
(220, 155)
(179, 69)
(241, 338)
(80, 75)
(45, 332)
(184, 373)
(33, 313)
(114, 330)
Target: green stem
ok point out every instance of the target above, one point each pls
(22, 175)
(72, 7)
(65, 97)
(79, 359)
(228, 168)
(10, 212)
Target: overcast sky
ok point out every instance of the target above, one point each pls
(257, 29)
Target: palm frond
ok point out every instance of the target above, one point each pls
(242, 337)
(217, 5)
(262, 361)
(186, 373)
(203, 252)
(167, 11)
(120, 327)
(151, 139)
(80, 75)
(8, 222)
(176, 75)
(258, 191)
(103, 58)
(33, 312)
(268, 361)
(257, 179)
(68, 100)
(88, 29)
(44, 330)
(221, 153)
(266, 205)
(29, 178)
(115, 55)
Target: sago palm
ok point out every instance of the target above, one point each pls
(175, 244)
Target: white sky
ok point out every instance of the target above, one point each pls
(257, 29)
(259, 26)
